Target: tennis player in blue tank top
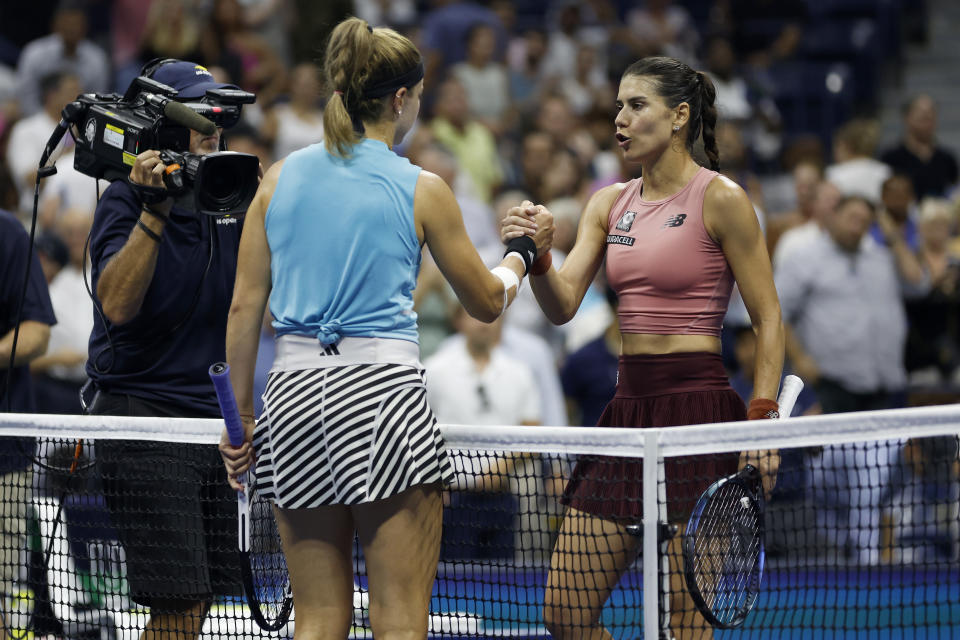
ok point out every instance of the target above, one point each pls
(347, 442)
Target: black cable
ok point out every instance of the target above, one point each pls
(77, 452)
(42, 172)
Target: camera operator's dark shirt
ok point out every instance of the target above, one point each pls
(14, 246)
(164, 353)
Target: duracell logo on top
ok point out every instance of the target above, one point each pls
(624, 240)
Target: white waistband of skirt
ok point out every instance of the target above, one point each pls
(295, 352)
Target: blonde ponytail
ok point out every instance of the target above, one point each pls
(357, 57)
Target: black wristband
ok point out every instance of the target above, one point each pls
(153, 212)
(153, 235)
(149, 194)
(526, 247)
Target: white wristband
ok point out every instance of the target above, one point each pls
(509, 279)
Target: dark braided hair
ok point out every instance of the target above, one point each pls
(677, 82)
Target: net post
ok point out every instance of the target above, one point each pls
(665, 534)
(651, 526)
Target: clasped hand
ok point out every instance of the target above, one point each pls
(529, 219)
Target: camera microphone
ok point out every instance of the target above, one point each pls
(182, 114)
(189, 118)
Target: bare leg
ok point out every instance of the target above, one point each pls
(175, 621)
(588, 559)
(401, 543)
(318, 546)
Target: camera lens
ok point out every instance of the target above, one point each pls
(221, 189)
(226, 182)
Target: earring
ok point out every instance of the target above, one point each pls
(676, 128)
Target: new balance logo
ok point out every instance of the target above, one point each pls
(675, 221)
(330, 350)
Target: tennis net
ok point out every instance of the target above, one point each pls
(862, 532)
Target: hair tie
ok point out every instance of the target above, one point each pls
(339, 93)
(369, 28)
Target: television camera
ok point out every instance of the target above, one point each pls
(111, 130)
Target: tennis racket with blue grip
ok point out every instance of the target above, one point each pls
(266, 583)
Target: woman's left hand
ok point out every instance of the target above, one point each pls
(238, 460)
(767, 462)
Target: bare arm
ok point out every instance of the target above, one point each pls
(250, 292)
(560, 292)
(31, 343)
(730, 219)
(440, 224)
(63, 358)
(127, 276)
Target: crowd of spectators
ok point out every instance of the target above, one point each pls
(519, 105)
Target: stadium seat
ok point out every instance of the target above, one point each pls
(813, 97)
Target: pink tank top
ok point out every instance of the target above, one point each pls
(670, 276)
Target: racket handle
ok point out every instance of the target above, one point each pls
(792, 386)
(220, 374)
(243, 517)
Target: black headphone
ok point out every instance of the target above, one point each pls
(151, 67)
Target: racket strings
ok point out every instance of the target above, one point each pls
(727, 549)
(267, 563)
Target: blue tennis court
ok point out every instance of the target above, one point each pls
(841, 604)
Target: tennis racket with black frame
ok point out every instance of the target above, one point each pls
(266, 582)
(723, 545)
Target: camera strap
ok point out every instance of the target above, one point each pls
(148, 194)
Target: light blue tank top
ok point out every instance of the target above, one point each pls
(344, 253)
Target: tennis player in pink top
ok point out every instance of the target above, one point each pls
(675, 241)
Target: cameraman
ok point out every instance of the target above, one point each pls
(163, 280)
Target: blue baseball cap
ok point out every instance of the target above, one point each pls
(191, 80)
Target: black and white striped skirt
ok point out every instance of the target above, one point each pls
(346, 435)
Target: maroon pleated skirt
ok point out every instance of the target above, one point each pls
(658, 391)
